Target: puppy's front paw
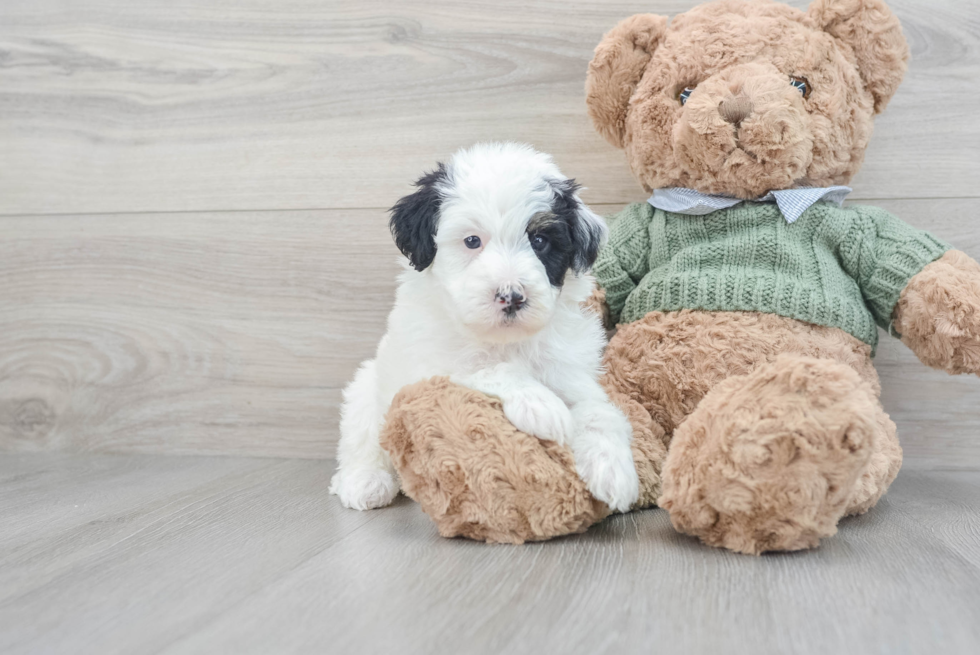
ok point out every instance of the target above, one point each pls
(609, 473)
(364, 488)
(541, 413)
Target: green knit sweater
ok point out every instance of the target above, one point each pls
(840, 267)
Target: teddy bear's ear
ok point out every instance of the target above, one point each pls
(874, 34)
(616, 69)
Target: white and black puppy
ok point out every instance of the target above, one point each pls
(499, 245)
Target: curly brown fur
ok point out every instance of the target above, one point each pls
(882, 468)
(684, 368)
(616, 68)
(669, 361)
(874, 36)
(938, 314)
(772, 460)
(476, 475)
(596, 303)
(479, 477)
(851, 52)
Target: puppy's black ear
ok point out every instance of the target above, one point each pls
(587, 228)
(415, 217)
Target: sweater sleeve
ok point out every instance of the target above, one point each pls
(625, 258)
(882, 253)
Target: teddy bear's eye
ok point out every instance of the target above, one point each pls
(801, 84)
(685, 94)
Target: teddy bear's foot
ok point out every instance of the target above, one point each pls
(773, 459)
(476, 475)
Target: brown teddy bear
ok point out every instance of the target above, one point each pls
(746, 296)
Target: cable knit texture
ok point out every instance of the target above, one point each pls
(836, 267)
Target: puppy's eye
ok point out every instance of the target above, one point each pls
(685, 94)
(539, 242)
(472, 242)
(801, 84)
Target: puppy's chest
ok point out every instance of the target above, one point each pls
(536, 359)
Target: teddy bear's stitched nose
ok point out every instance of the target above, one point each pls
(735, 109)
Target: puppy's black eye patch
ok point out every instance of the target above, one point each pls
(551, 240)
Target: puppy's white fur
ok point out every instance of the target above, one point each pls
(542, 361)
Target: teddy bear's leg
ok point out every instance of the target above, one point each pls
(653, 363)
(883, 466)
(658, 369)
(581, 418)
(772, 459)
(476, 475)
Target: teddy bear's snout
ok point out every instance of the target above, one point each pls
(743, 132)
(736, 109)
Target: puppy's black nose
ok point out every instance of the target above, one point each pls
(510, 301)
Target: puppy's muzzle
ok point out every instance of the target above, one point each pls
(510, 301)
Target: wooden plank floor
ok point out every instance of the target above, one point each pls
(153, 554)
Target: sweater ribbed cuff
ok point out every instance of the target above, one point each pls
(617, 284)
(894, 272)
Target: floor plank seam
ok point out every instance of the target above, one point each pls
(283, 210)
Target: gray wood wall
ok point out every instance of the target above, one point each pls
(193, 244)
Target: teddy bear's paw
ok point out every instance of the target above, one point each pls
(608, 470)
(539, 412)
(938, 314)
(364, 488)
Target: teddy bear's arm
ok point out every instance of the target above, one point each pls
(938, 314)
(624, 259)
(596, 304)
(882, 253)
(917, 287)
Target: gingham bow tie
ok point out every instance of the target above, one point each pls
(791, 202)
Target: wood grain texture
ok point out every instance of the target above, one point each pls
(124, 554)
(175, 540)
(135, 105)
(234, 332)
(122, 332)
